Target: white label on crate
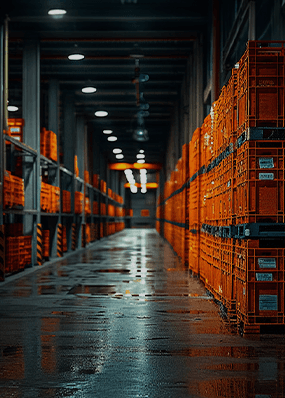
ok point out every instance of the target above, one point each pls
(266, 176)
(264, 276)
(266, 163)
(15, 129)
(268, 302)
(266, 262)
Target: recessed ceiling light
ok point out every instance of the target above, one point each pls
(117, 150)
(120, 156)
(140, 155)
(88, 90)
(141, 151)
(57, 12)
(12, 108)
(101, 113)
(112, 138)
(75, 57)
(107, 131)
(141, 161)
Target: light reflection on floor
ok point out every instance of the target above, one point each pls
(126, 319)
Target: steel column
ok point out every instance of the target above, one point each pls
(53, 125)
(251, 21)
(216, 51)
(31, 115)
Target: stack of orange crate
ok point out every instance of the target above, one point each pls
(194, 200)
(78, 202)
(76, 169)
(50, 198)
(18, 251)
(66, 201)
(95, 207)
(119, 211)
(260, 80)
(48, 144)
(88, 233)
(8, 191)
(96, 181)
(15, 128)
(111, 210)
(103, 209)
(87, 206)
(103, 186)
(86, 177)
(14, 195)
(12, 251)
(55, 199)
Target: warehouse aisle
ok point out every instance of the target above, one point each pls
(122, 319)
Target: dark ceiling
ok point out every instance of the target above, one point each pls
(116, 37)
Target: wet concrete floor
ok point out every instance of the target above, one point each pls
(122, 319)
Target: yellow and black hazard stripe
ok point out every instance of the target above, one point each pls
(39, 244)
(73, 237)
(2, 253)
(59, 240)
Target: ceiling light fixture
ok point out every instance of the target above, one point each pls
(75, 57)
(141, 161)
(140, 156)
(56, 12)
(120, 156)
(112, 138)
(107, 131)
(89, 90)
(101, 113)
(141, 151)
(12, 108)
(117, 150)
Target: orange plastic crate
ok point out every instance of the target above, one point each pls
(78, 202)
(66, 201)
(15, 128)
(95, 208)
(260, 86)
